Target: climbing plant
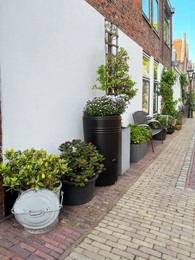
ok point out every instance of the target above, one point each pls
(166, 91)
(184, 82)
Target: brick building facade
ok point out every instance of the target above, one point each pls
(128, 16)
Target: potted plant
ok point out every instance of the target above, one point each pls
(139, 137)
(102, 115)
(162, 119)
(35, 175)
(85, 164)
(178, 124)
(170, 124)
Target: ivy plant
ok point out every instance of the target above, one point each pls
(168, 79)
(184, 82)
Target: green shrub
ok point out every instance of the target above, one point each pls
(139, 134)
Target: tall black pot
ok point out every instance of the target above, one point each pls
(105, 133)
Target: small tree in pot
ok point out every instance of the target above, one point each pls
(103, 126)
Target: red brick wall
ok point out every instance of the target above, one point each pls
(127, 14)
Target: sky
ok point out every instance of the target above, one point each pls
(183, 22)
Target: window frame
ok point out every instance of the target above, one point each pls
(155, 88)
(157, 14)
(147, 16)
(149, 13)
(167, 28)
(146, 81)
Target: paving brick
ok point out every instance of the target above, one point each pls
(18, 250)
(142, 243)
(92, 255)
(109, 237)
(165, 251)
(101, 246)
(179, 250)
(97, 238)
(88, 247)
(43, 255)
(6, 252)
(138, 253)
(150, 251)
(122, 253)
(108, 255)
(168, 257)
(77, 256)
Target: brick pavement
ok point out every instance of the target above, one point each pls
(142, 216)
(154, 219)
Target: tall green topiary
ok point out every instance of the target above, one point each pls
(114, 77)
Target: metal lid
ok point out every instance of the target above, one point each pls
(36, 209)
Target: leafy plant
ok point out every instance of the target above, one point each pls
(168, 104)
(114, 77)
(170, 122)
(105, 106)
(139, 134)
(184, 82)
(162, 119)
(32, 169)
(178, 121)
(84, 161)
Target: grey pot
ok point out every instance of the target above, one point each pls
(138, 151)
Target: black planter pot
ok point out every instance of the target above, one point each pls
(9, 200)
(160, 135)
(76, 195)
(170, 130)
(105, 133)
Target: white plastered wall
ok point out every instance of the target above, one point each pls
(49, 54)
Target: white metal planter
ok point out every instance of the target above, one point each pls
(37, 211)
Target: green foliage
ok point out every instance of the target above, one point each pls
(114, 77)
(166, 120)
(171, 122)
(32, 169)
(139, 134)
(84, 161)
(162, 120)
(184, 82)
(169, 107)
(168, 104)
(105, 106)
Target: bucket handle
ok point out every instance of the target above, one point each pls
(39, 213)
(36, 213)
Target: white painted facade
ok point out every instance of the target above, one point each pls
(49, 54)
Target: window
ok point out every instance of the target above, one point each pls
(145, 95)
(150, 11)
(146, 8)
(155, 15)
(155, 89)
(146, 67)
(146, 84)
(167, 29)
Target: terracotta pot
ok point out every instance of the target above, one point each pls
(178, 127)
